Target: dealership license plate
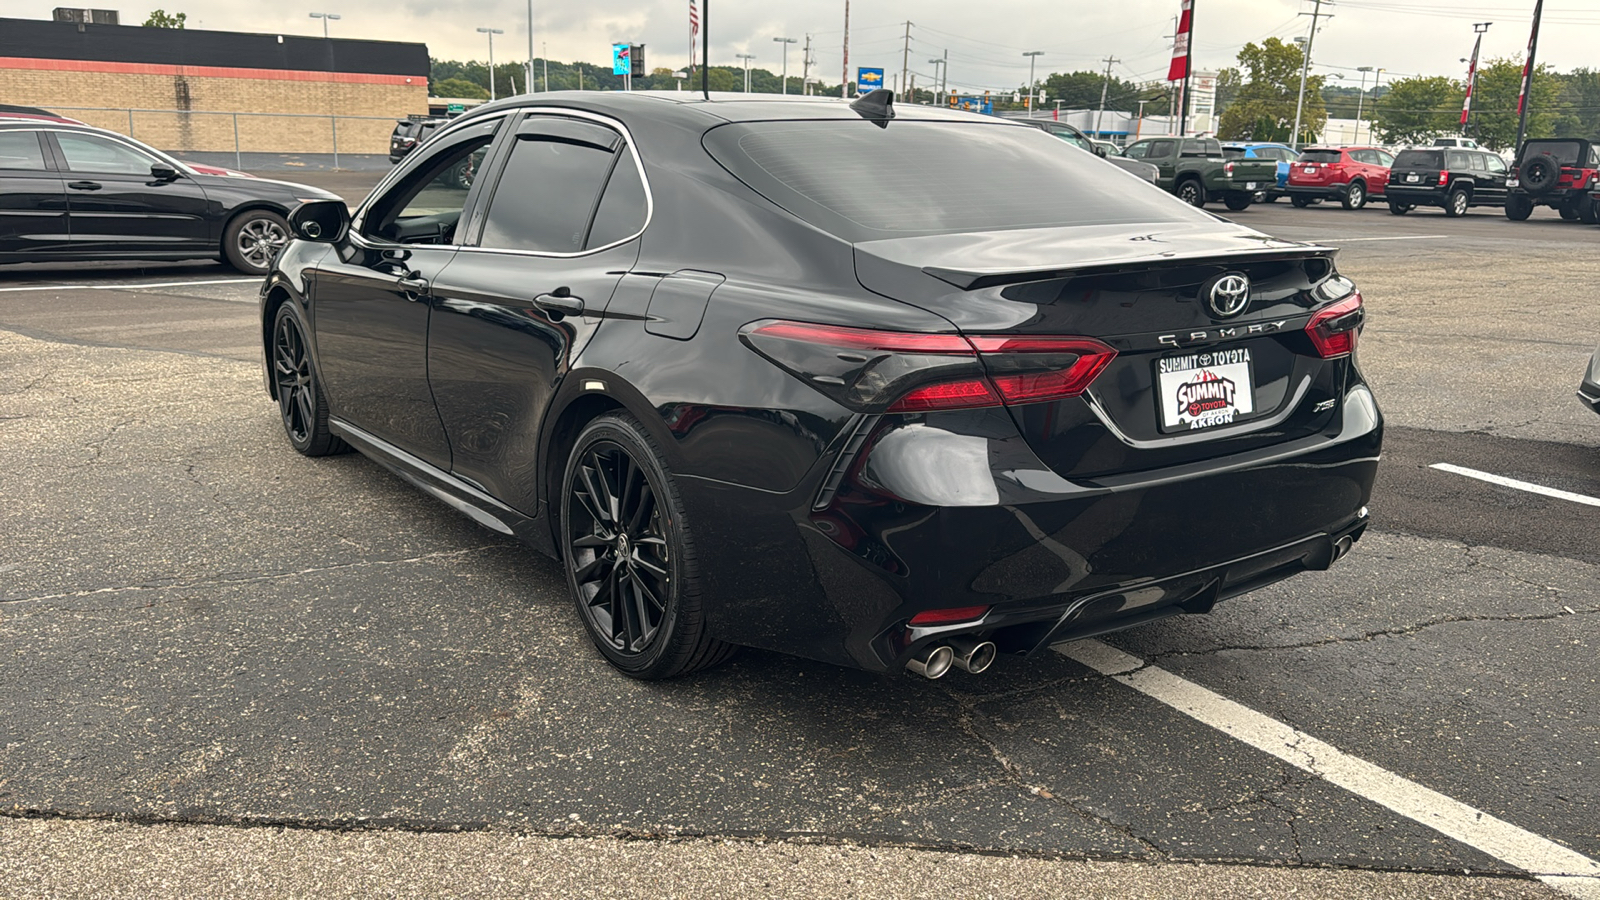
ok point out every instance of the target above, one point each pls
(1204, 390)
(1413, 179)
(1249, 185)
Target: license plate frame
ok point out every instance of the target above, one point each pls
(1204, 390)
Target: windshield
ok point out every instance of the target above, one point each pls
(1419, 159)
(861, 182)
(1320, 156)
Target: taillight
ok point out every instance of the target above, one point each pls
(887, 371)
(1444, 177)
(1334, 330)
(949, 616)
(1227, 169)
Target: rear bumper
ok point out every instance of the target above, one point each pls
(1420, 196)
(971, 519)
(1319, 192)
(1556, 198)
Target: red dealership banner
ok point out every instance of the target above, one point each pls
(1472, 81)
(1179, 70)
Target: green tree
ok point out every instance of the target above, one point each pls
(1265, 105)
(459, 87)
(1416, 110)
(1494, 105)
(1081, 90)
(1229, 81)
(160, 19)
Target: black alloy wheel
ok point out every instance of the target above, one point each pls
(1518, 207)
(1400, 209)
(1356, 196)
(1455, 205)
(1192, 192)
(252, 240)
(630, 562)
(300, 401)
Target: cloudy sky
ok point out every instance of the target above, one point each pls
(985, 39)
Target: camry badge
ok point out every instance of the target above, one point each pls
(1228, 295)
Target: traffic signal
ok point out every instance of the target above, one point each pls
(952, 99)
(637, 59)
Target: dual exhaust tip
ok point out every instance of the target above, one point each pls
(973, 657)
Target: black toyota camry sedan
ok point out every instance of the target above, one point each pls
(71, 192)
(893, 388)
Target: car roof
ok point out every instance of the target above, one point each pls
(723, 107)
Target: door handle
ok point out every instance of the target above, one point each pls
(414, 285)
(559, 303)
(84, 185)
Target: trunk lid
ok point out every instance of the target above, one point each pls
(1143, 291)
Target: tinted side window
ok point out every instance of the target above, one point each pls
(1385, 158)
(545, 195)
(1476, 161)
(622, 207)
(86, 153)
(1495, 163)
(1160, 149)
(1136, 151)
(20, 150)
(1455, 159)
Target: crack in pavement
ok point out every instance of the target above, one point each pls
(252, 579)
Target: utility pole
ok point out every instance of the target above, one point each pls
(746, 57)
(1032, 56)
(844, 73)
(905, 56)
(805, 66)
(1305, 69)
(785, 41)
(1105, 86)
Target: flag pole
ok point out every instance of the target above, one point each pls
(1188, 66)
(1527, 78)
(705, 49)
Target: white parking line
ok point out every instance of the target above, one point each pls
(1519, 485)
(126, 287)
(1396, 237)
(1563, 869)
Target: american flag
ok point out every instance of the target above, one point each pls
(694, 29)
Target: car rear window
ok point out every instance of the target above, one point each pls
(861, 182)
(1320, 156)
(1565, 152)
(1232, 152)
(1419, 159)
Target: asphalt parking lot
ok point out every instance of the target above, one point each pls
(200, 627)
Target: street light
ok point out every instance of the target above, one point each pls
(1031, 55)
(785, 42)
(944, 73)
(746, 57)
(324, 17)
(491, 32)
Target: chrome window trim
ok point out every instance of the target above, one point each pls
(409, 165)
(638, 163)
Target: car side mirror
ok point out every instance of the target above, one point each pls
(322, 221)
(1100, 151)
(163, 172)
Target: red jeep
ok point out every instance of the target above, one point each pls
(1558, 173)
(1347, 174)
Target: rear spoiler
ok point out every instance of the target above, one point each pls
(973, 279)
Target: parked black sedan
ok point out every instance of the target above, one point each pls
(72, 192)
(894, 388)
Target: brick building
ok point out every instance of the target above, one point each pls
(171, 87)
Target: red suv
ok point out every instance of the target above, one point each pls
(1347, 174)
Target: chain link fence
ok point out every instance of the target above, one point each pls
(195, 131)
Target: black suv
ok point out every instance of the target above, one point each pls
(410, 132)
(1558, 173)
(1453, 178)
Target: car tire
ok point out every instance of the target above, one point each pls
(1192, 192)
(252, 239)
(630, 556)
(1299, 201)
(1270, 198)
(1540, 175)
(1457, 202)
(1589, 211)
(301, 404)
(1400, 209)
(1355, 196)
(1568, 211)
(1518, 207)
(1237, 202)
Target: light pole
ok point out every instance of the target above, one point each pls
(943, 72)
(324, 16)
(680, 75)
(491, 32)
(1032, 55)
(746, 57)
(527, 78)
(1361, 98)
(1376, 77)
(785, 42)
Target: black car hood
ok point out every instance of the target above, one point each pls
(286, 191)
(975, 259)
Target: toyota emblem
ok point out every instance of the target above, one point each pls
(1228, 295)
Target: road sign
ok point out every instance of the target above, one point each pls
(456, 109)
(621, 59)
(975, 104)
(868, 79)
